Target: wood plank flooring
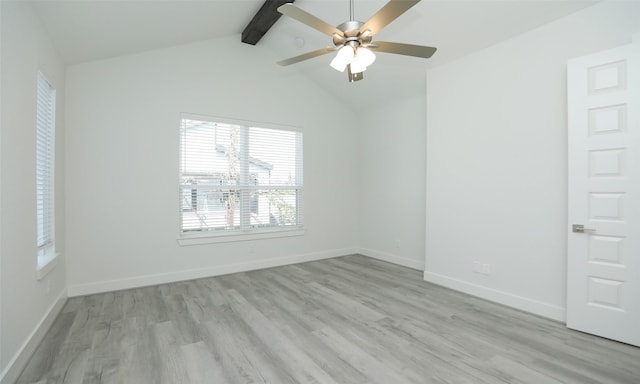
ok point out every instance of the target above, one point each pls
(346, 320)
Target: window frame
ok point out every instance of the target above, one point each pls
(247, 233)
(45, 145)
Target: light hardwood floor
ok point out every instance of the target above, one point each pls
(346, 320)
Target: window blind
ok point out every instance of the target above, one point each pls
(236, 177)
(45, 141)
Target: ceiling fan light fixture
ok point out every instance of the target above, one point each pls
(345, 56)
(357, 66)
(362, 59)
(365, 56)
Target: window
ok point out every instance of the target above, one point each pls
(45, 146)
(239, 177)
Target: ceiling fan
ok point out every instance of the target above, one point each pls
(353, 39)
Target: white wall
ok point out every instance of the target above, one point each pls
(392, 182)
(122, 162)
(496, 160)
(26, 302)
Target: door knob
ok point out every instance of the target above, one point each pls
(579, 228)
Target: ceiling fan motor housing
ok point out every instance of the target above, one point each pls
(352, 34)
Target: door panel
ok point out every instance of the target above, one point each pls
(603, 271)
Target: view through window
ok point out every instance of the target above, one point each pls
(238, 177)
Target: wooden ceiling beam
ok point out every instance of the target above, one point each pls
(263, 21)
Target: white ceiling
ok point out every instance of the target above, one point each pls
(85, 30)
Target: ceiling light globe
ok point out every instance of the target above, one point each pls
(357, 67)
(365, 56)
(345, 56)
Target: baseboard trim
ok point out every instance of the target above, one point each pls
(393, 259)
(20, 359)
(518, 302)
(148, 280)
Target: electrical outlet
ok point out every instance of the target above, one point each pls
(481, 268)
(397, 243)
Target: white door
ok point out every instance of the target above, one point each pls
(603, 281)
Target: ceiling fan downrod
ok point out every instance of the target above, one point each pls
(351, 10)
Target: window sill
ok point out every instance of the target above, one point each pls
(46, 264)
(214, 239)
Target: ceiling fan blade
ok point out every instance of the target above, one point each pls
(386, 15)
(308, 19)
(307, 56)
(402, 49)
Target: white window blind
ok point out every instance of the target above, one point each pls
(236, 177)
(45, 144)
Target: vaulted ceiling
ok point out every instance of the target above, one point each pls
(85, 30)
